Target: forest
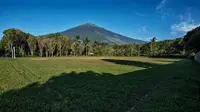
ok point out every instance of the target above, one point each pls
(51, 45)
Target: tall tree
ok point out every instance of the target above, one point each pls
(67, 44)
(9, 39)
(51, 45)
(32, 43)
(14, 37)
(46, 46)
(76, 45)
(59, 46)
(152, 44)
(95, 47)
(138, 49)
(41, 44)
(86, 43)
(53, 42)
(59, 42)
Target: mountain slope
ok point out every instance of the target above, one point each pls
(99, 34)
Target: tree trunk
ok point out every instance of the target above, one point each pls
(11, 50)
(151, 49)
(23, 53)
(31, 52)
(138, 50)
(46, 53)
(86, 51)
(66, 53)
(41, 52)
(52, 54)
(131, 51)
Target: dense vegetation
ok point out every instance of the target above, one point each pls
(59, 45)
(192, 41)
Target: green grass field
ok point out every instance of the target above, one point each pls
(100, 84)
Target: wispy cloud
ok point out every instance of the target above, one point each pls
(187, 16)
(174, 33)
(142, 29)
(164, 15)
(139, 14)
(163, 11)
(161, 5)
(186, 24)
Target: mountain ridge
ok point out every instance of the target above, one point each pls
(97, 33)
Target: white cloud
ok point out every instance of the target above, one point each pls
(145, 38)
(143, 29)
(184, 26)
(161, 5)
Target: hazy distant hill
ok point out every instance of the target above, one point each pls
(100, 34)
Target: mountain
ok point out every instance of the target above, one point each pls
(99, 34)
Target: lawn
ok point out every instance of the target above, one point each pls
(88, 84)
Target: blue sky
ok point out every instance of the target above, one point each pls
(140, 19)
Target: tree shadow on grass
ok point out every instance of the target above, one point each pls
(132, 63)
(169, 61)
(86, 92)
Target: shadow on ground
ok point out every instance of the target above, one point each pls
(169, 61)
(90, 91)
(132, 63)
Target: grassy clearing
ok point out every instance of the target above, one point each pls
(98, 84)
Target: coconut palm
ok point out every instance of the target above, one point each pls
(152, 44)
(86, 43)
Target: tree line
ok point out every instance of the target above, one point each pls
(56, 44)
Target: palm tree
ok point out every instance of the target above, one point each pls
(86, 42)
(77, 37)
(152, 43)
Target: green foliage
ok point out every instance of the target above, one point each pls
(32, 43)
(77, 46)
(21, 52)
(52, 45)
(67, 44)
(192, 41)
(78, 37)
(152, 46)
(41, 44)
